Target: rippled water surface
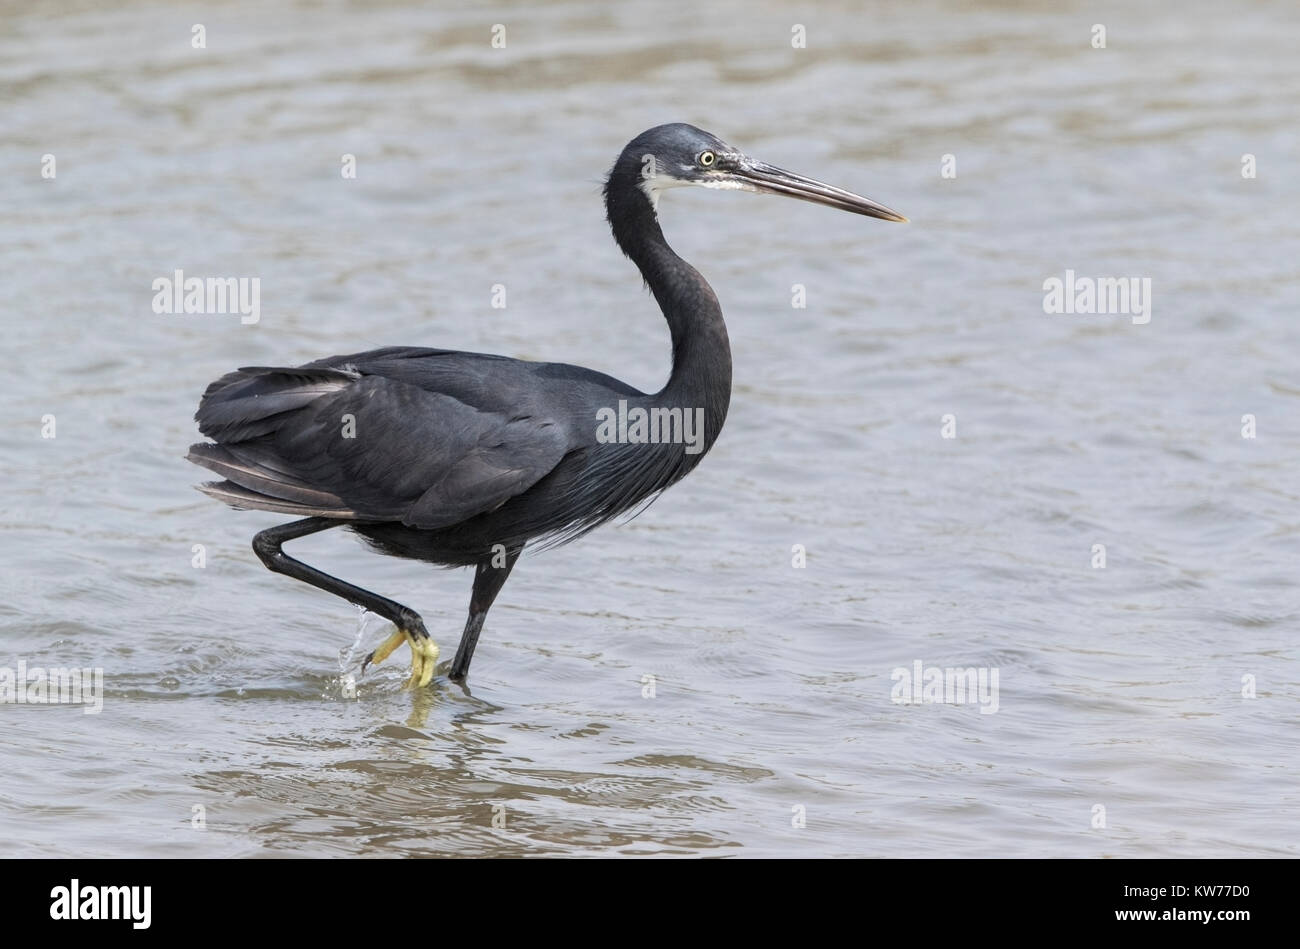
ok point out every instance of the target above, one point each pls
(224, 686)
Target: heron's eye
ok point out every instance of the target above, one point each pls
(707, 159)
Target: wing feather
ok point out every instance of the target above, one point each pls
(367, 447)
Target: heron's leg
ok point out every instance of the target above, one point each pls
(488, 581)
(410, 628)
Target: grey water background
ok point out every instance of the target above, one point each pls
(1120, 687)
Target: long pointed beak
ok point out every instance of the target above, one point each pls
(768, 179)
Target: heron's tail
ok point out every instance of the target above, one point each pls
(241, 412)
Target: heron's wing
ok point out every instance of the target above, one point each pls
(368, 447)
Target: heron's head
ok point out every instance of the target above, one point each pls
(671, 156)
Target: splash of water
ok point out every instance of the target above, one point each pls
(347, 679)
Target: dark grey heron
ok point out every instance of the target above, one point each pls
(460, 459)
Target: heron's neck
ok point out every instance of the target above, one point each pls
(701, 376)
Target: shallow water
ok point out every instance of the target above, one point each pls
(225, 686)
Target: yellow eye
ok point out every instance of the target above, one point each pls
(707, 159)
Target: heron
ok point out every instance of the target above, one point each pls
(461, 459)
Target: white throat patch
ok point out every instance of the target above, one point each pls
(652, 185)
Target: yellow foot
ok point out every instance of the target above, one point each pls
(424, 656)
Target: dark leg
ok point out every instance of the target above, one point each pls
(488, 581)
(267, 546)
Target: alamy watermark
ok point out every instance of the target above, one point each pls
(42, 686)
(181, 294)
(924, 684)
(75, 901)
(1130, 296)
(656, 425)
